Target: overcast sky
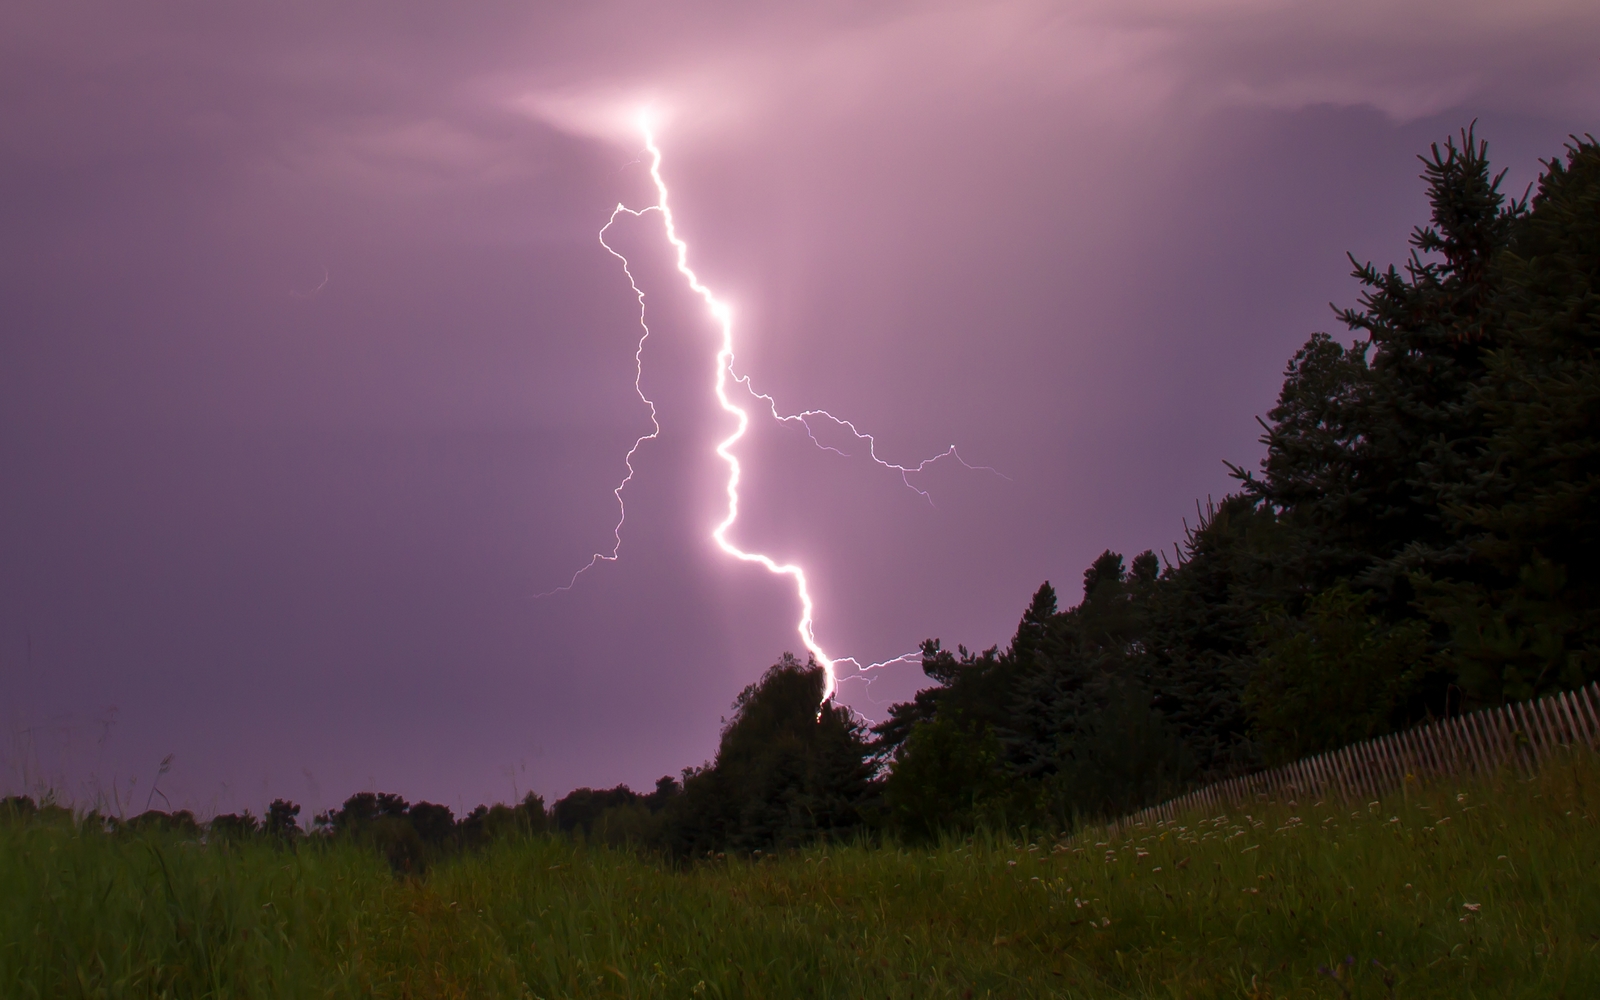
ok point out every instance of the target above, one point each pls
(314, 372)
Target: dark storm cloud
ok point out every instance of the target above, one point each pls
(312, 371)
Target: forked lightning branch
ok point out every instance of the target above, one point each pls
(723, 383)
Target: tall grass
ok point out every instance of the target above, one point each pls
(1487, 890)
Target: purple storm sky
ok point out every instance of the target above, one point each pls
(313, 372)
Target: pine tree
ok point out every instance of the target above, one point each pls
(1529, 512)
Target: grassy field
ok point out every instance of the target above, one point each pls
(1489, 890)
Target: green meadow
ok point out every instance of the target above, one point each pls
(1487, 889)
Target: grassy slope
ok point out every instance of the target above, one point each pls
(1242, 906)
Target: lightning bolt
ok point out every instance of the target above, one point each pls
(655, 424)
(725, 376)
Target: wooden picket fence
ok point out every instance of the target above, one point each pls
(1518, 736)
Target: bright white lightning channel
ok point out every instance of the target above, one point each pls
(725, 374)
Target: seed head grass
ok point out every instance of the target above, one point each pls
(1488, 888)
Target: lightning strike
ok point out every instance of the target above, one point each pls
(655, 424)
(724, 376)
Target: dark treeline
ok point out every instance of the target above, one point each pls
(1420, 540)
(410, 835)
(790, 769)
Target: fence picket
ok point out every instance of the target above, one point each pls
(1537, 741)
(1575, 703)
(1570, 713)
(1492, 724)
(1347, 766)
(1512, 730)
(1440, 749)
(1428, 745)
(1458, 756)
(1554, 725)
(1556, 714)
(1480, 741)
(1360, 768)
(1462, 739)
(1369, 751)
(1410, 759)
(1591, 717)
(1397, 745)
(1557, 707)
(1448, 757)
(1569, 705)
(1416, 746)
(1526, 747)
(1509, 731)
(1492, 760)
(1533, 731)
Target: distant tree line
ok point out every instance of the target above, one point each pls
(411, 836)
(1421, 539)
(790, 768)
